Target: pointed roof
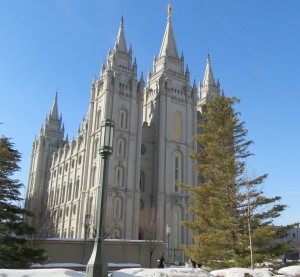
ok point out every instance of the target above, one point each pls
(169, 43)
(121, 41)
(208, 75)
(54, 110)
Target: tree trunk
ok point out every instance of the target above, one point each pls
(150, 262)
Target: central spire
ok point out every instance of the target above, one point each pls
(208, 75)
(121, 41)
(54, 110)
(168, 46)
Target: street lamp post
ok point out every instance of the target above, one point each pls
(168, 232)
(87, 222)
(96, 265)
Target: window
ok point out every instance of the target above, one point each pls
(73, 163)
(177, 170)
(51, 198)
(120, 148)
(79, 160)
(98, 120)
(118, 208)
(57, 196)
(74, 209)
(70, 191)
(62, 196)
(54, 216)
(67, 211)
(96, 148)
(76, 189)
(119, 176)
(177, 126)
(93, 177)
(60, 170)
(142, 181)
(122, 119)
(66, 167)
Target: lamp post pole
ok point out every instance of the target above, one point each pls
(168, 232)
(96, 266)
(86, 225)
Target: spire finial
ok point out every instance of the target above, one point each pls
(169, 10)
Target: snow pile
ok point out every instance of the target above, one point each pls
(58, 272)
(240, 272)
(291, 271)
(165, 272)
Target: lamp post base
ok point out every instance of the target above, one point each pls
(96, 267)
(96, 270)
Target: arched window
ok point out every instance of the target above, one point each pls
(62, 196)
(119, 176)
(122, 118)
(177, 126)
(120, 148)
(177, 170)
(98, 120)
(118, 208)
(142, 181)
(95, 151)
(177, 227)
(70, 191)
(76, 189)
(115, 234)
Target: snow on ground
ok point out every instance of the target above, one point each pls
(291, 271)
(165, 272)
(56, 272)
(240, 272)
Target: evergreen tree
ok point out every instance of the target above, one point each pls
(15, 250)
(220, 227)
(256, 215)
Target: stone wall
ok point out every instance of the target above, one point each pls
(115, 251)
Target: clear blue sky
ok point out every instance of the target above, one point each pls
(254, 49)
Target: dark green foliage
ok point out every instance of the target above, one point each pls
(231, 216)
(15, 250)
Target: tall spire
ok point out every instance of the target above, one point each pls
(54, 110)
(169, 44)
(208, 75)
(121, 41)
